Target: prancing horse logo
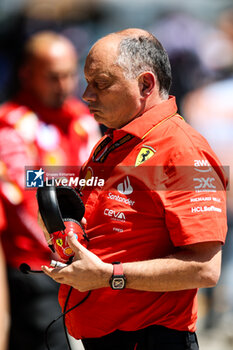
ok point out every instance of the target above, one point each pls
(146, 152)
(144, 155)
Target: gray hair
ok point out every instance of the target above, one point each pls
(145, 53)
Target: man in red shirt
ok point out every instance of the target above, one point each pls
(157, 224)
(42, 125)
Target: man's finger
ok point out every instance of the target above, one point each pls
(50, 271)
(53, 273)
(83, 221)
(74, 243)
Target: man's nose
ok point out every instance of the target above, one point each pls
(89, 95)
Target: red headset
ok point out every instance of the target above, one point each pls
(62, 210)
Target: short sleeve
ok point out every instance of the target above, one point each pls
(194, 195)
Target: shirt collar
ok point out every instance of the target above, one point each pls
(141, 125)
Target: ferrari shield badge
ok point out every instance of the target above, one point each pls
(146, 152)
(59, 242)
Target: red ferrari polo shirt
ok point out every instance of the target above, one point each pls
(163, 188)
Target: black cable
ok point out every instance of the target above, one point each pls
(63, 315)
(63, 318)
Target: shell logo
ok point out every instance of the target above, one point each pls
(68, 251)
(89, 175)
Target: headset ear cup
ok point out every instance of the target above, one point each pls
(60, 238)
(70, 203)
(57, 203)
(75, 227)
(62, 210)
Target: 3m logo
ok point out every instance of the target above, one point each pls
(115, 215)
(35, 178)
(202, 165)
(205, 184)
(125, 187)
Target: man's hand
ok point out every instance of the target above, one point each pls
(86, 272)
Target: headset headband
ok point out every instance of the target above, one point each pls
(59, 203)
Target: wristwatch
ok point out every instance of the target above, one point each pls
(118, 279)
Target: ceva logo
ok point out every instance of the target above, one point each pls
(118, 215)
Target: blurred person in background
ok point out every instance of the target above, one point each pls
(4, 299)
(42, 125)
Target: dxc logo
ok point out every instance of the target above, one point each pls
(204, 183)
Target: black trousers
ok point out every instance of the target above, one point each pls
(150, 338)
(34, 305)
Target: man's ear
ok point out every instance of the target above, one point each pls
(147, 82)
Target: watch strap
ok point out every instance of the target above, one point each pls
(118, 280)
(117, 269)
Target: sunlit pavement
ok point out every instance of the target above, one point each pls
(215, 340)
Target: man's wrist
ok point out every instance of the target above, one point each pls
(118, 279)
(105, 274)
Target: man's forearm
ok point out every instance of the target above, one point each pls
(180, 271)
(194, 266)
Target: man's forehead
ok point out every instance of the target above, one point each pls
(96, 68)
(105, 50)
(103, 53)
(102, 57)
(93, 64)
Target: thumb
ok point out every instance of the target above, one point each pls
(74, 243)
(84, 221)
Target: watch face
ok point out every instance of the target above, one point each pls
(118, 283)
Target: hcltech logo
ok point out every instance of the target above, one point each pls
(35, 178)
